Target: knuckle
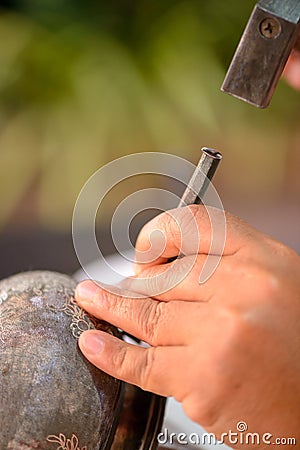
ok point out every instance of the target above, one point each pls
(119, 358)
(179, 223)
(157, 283)
(236, 328)
(150, 320)
(198, 227)
(237, 332)
(115, 302)
(171, 226)
(190, 229)
(267, 284)
(146, 368)
(259, 280)
(199, 212)
(107, 297)
(192, 215)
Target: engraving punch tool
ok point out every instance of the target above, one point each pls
(201, 177)
(200, 180)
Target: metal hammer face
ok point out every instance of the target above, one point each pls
(263, 51)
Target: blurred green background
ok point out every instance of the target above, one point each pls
(84, 82)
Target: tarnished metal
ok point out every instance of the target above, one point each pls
(267, 42)
(51, 397)
(270, 28)
(201, 177)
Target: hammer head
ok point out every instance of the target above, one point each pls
(263, 51)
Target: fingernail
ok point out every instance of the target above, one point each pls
(91, 343)
(86, 290)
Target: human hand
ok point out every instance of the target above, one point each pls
(292, 70)
(228, 349)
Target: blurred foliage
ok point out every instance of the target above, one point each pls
(84, 82)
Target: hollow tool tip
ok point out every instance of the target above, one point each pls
(212, 153)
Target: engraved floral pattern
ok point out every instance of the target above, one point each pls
(65, 443)
(81, 321)
(3, 296)
(59, 295)
(5, 332)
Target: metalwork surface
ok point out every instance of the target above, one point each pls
(48, 389)
(263, 51)
(51, 397)
(140, 420)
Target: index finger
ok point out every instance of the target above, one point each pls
(192, 230)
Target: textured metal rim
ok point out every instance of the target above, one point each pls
(140, 420)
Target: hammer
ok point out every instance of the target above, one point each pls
(265, 46)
